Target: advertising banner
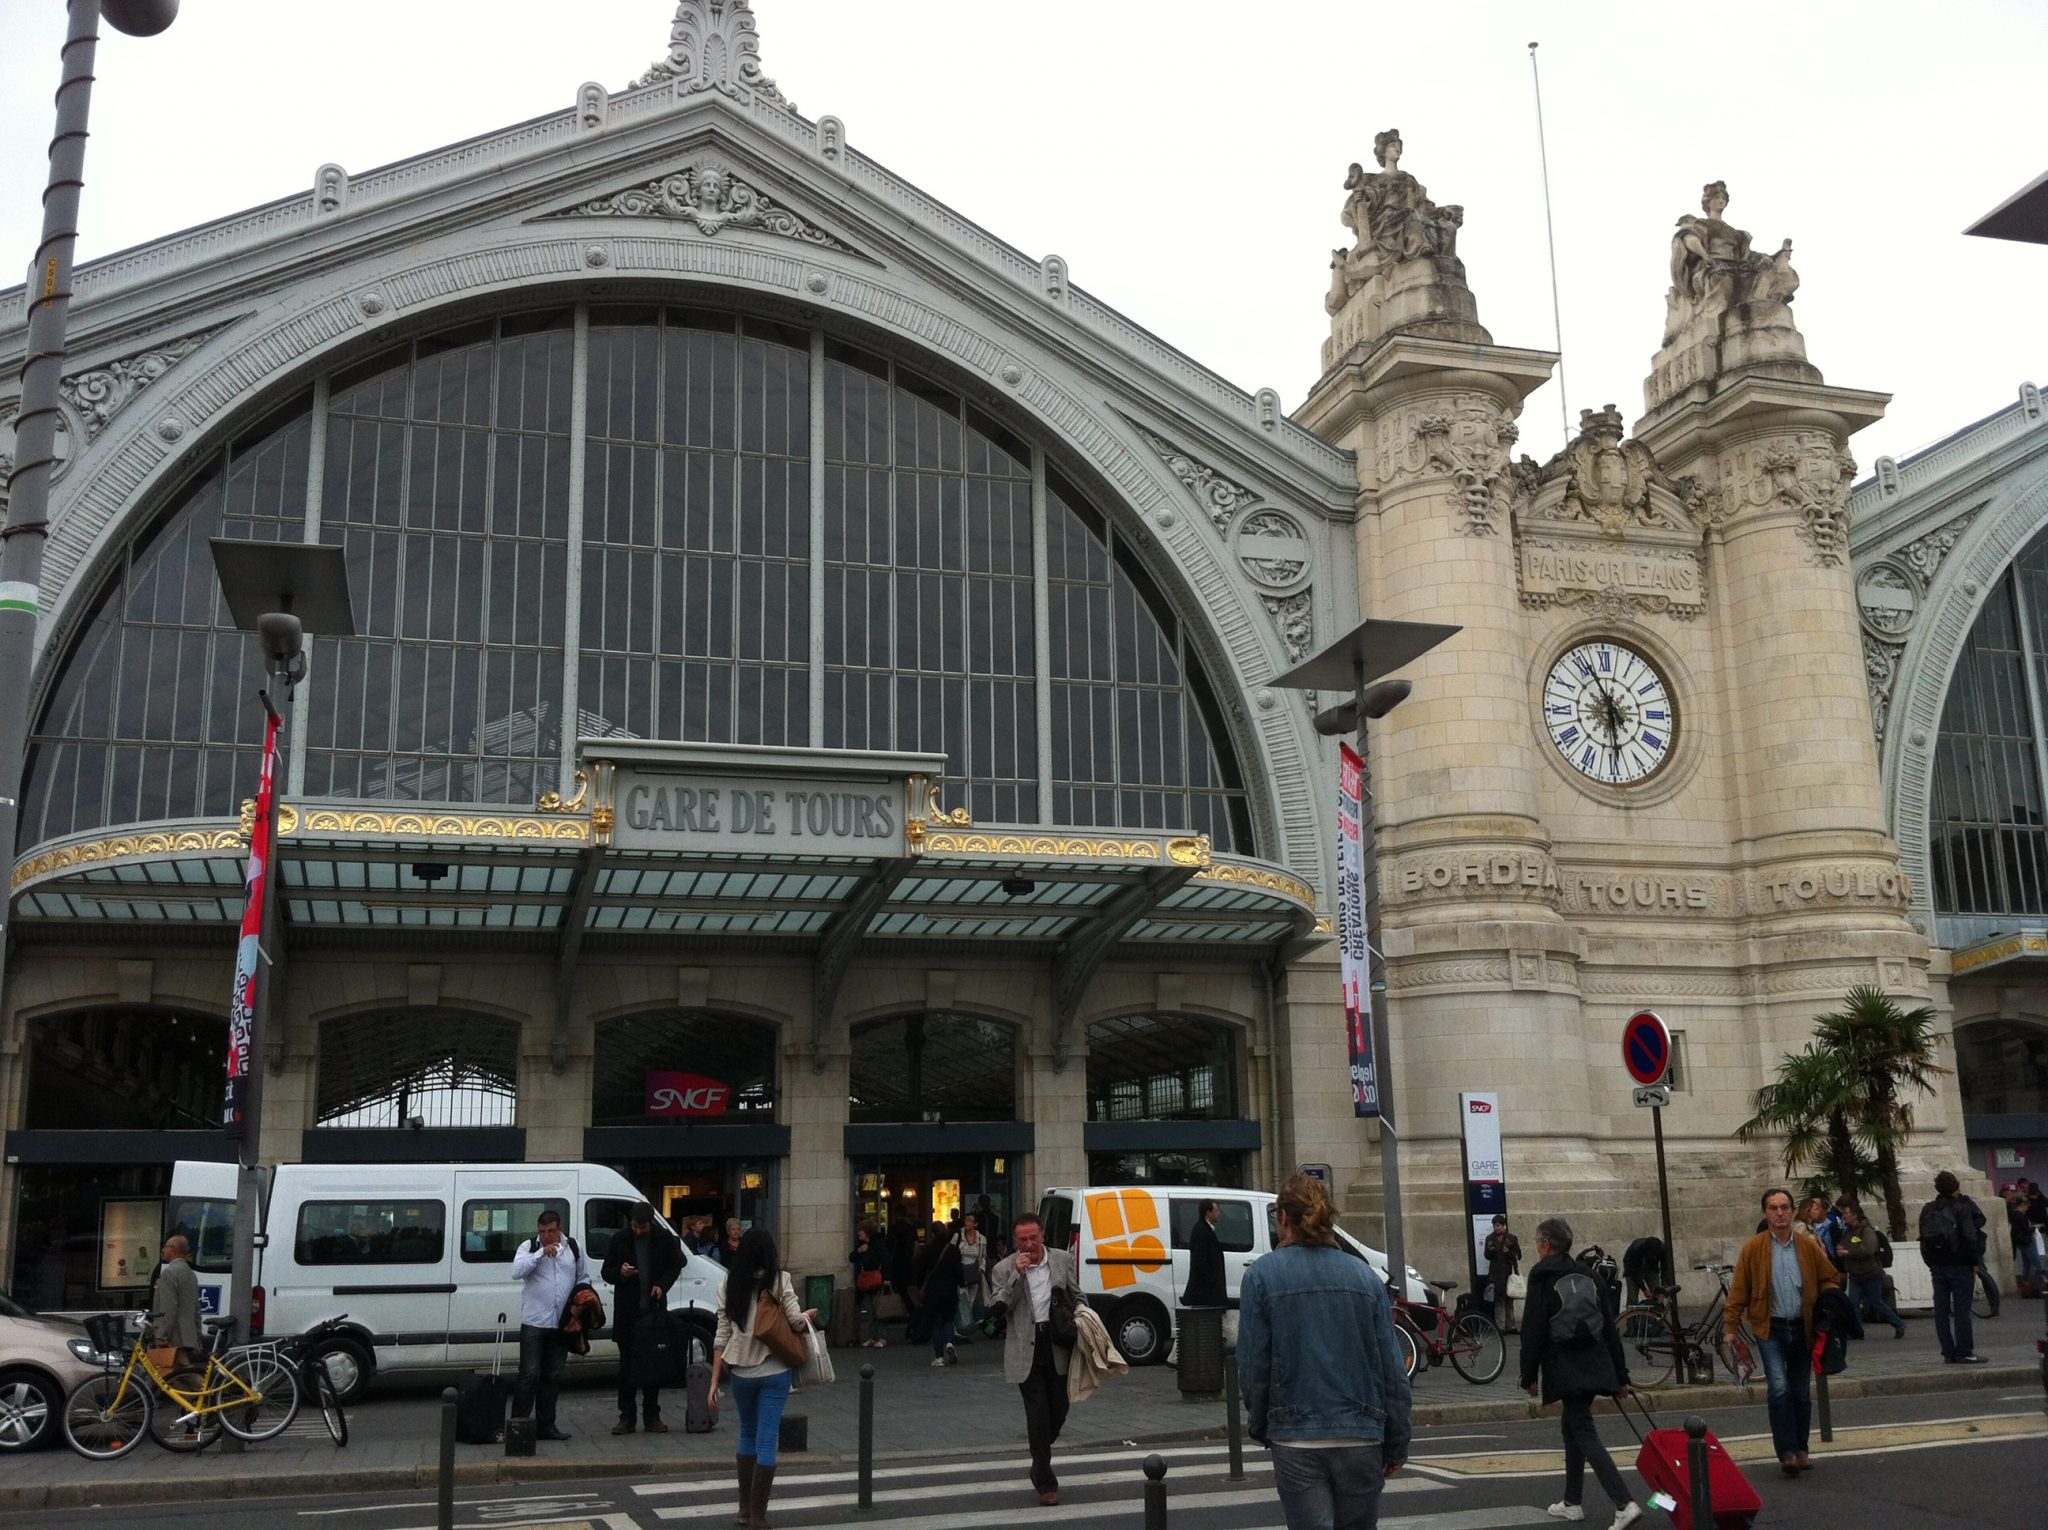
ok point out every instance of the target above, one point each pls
(131, 1233)
(1365, 1083)
(686, 1094)
(1486, 1185)
(242, 1003)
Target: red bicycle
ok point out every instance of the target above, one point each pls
(1429, 1330)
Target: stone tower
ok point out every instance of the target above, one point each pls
(1643, 774)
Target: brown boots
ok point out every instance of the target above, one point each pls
(747, 1470)
(764, 1484)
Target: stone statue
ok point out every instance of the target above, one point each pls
(1727, 307)
(1392, 220)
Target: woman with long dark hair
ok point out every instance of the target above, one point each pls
(760, 1381)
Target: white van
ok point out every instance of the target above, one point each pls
(418, 1256)
(1130, 1244)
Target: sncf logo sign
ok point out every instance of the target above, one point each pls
(1482, 1107)
(685, 1094)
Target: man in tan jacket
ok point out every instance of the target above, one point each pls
(1023, 1287)
(1778, 1277)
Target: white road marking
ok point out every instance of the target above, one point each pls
(924, 1473)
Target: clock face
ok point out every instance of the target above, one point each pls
(1609, 713)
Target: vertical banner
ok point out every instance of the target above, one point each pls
(1486, 1183)
(242, 1003)
(1365, 1083)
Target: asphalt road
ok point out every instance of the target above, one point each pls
(1927, 1462)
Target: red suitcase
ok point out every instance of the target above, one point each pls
(1663, 1464)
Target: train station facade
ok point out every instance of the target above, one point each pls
(811, 738)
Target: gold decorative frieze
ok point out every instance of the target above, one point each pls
(454, 826)
(1044, 847)
(123, 846)
(1261, 878)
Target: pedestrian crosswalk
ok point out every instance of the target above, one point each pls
(1095, 1486)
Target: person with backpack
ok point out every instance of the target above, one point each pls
(1778, 1278)
(1952, 1242)
(1865, 1254)
(550, 1266)
(1571, 1353)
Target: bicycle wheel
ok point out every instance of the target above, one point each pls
(1411, 1356)
(102, 1420)
(329, 1400)
(276, 1404)
(1983, 1305)
(1650, 1344)
(171, 1426)
(1478, 1352)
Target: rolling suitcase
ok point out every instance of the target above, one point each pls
(697, 1415)
(1663, 1464)
(481, 1401)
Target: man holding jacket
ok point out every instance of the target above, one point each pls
(644, 1261)
(550, 1266)
(1024, 1286)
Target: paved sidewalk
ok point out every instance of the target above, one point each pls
(394, 1435)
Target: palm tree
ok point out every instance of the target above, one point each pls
(1844, 1103)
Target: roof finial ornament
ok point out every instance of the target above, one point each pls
(715, 45)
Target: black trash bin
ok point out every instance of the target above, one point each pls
(1200, 1356)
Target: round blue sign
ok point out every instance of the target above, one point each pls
(1645, 1047)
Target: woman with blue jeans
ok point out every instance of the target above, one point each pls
(760, 1380)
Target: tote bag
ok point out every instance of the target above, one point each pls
(817, 1367)
(771, 1328)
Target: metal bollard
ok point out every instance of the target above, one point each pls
(1155, 1493)
(867, 1438)
(1827, 1414)
(444, 1511)
(1231, 1412)
(1698, 1466)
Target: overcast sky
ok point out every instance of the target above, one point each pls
(1187, 158)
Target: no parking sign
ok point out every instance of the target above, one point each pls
(1645, 1046)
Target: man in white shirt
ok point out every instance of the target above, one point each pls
(551, 1267)
(1022, 1286)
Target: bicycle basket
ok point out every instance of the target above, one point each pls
(108, 1332)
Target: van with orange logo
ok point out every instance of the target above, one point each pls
(1130, 1247)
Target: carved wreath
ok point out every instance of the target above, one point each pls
(710, 197)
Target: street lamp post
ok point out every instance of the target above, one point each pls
(279, 591)
(1355, 663)
(26, 527)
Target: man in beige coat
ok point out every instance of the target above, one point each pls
(1022, 1286)
(176, 1301)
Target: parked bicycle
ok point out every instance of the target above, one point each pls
(296, 1360)
(1659, 1346)
(182, 1408)
(1429, 1331)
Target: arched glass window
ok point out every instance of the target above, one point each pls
(784, 539)
(443, 1067)
(155, 714)
(681, 1065)
(1989, 850)
(933, 1067)
(126, 1070)
(1162, 1068)
(2002, 1067)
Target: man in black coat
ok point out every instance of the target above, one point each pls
(1574, 1368)
(644, 1261)
(1206, 1286)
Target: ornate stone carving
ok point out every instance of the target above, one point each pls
(95, 397)
(1402, 272)
(330, 190)
(715, 45)
(1614, 583)
(1813, 476)
(1609, 478)
(1889, 597)
(1052, 277)
(1408, 973)
(832, 140)
(1294, 619)
(1728, 306)
(1471, 444)
(1924, 555)
(1221, 497)
(592, 102)
(1663, 983)
(1881, 670)
(1273, 550)
(711, 197)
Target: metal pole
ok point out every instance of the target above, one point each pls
(444, 1515)
(1155, 1493)
(1664, 1197)
(1376, 999)
(867, 1438)
(1550, 238)
(1698, 1467)
(249, 1154)
(1231, 1411)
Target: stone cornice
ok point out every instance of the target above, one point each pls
(1359, 387)
(1903, 499)
(1680, 432)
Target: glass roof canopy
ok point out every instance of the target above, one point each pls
(362, 867)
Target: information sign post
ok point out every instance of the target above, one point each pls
(1646, 1053)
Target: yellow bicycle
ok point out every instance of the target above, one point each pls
(182, 1408)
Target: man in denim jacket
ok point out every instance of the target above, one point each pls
(1321, 1370)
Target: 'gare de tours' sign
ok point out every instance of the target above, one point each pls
(745, 799)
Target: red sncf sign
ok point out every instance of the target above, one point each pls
(685, 1094)
(1482, 1107)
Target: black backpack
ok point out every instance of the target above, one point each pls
(1580, 1320)
(1948, 1233)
